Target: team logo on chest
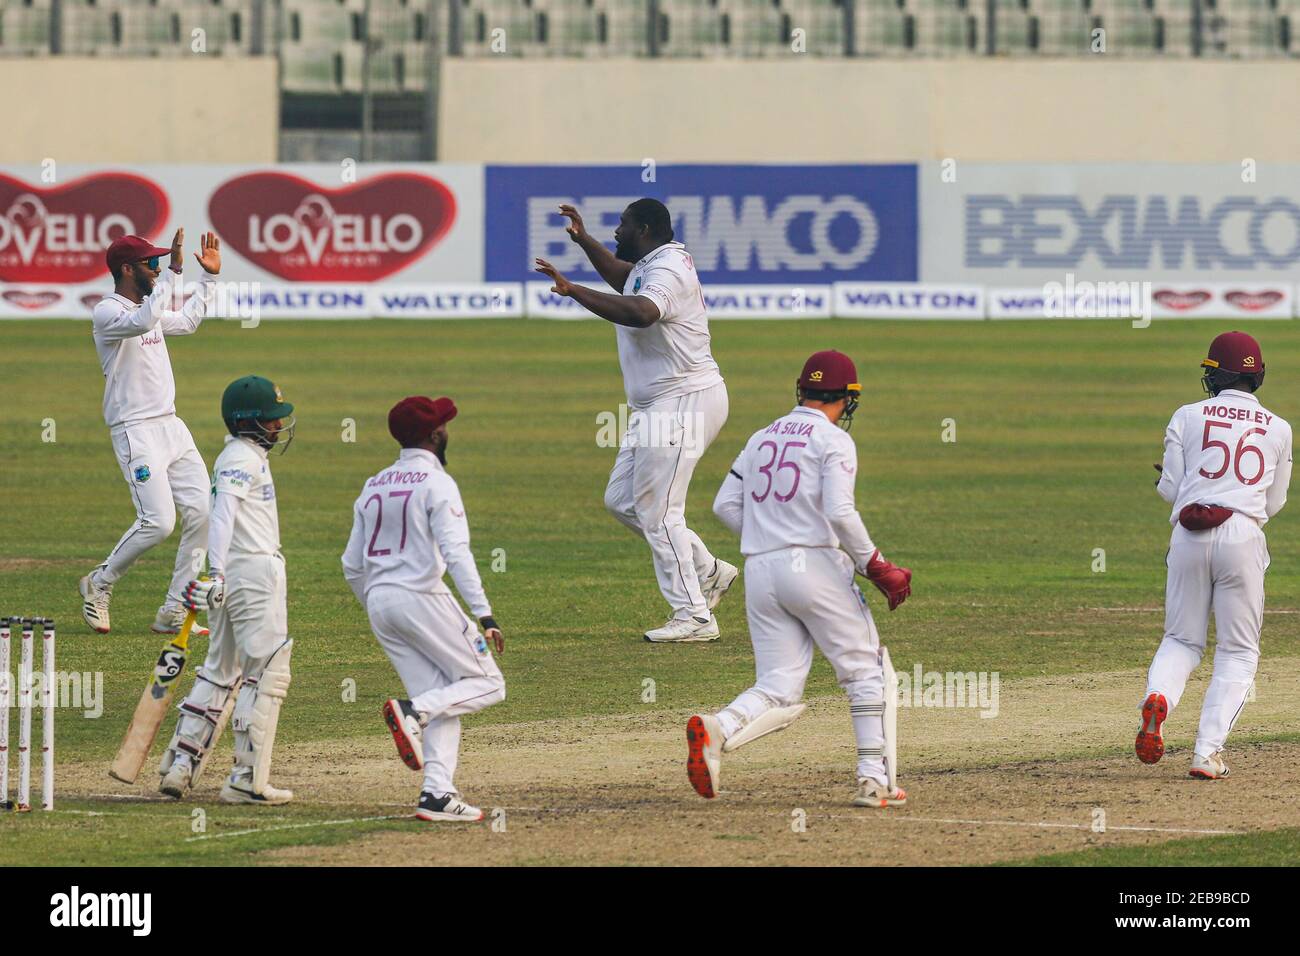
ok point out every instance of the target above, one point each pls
(636, 286)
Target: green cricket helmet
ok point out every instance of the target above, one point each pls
(257, 400)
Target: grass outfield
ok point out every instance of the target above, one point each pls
(1275, 848)
(1057, 425)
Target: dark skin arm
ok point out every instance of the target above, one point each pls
(612, 269)
(633, 311)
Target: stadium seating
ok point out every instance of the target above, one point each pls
(88, 30)
(627, 27)
(1064, 27)
(310, 69)
(318, 41)
(691, 27)
(880, 29)
(571, 27)
(755, 28)
(24, 28)
(943, 27)
(822, 23)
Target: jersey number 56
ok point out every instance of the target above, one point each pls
(1229, 458)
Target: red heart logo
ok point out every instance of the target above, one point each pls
(92, 299)
(1182, 301)
(31, 300)
(1253, 301)
(298, 230)
(59, 233)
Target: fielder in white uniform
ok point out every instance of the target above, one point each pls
(676, 398)
(408, 530)
(163, 469)
(789, 496)
(1226, 469)
(247, 671)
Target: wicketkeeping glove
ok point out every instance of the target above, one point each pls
(894, 583)
(205, 595)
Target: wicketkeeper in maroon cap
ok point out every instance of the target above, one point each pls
(789, 495)
(1226, 469)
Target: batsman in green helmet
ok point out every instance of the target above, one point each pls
(246, 674)
(253, 408)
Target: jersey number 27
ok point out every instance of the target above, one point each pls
(372, 551)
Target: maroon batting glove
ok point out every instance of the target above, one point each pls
(894, 583)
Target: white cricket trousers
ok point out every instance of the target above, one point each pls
(250, 625)
(444, 664)
(647, 488)
(798, 598)
(1222, 568)
(166, 474)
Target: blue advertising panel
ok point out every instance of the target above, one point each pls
(741, 224)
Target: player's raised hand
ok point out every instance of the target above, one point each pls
(562, 286)
(575, 228)
(178, 251)
(209, 254)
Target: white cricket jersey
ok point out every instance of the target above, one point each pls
(244, 519)
(408, 529)
(792, 487)
(670, 358)
(1228, 451)
(131, 341)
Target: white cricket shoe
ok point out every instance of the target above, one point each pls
(177, 780)
(404, 724)
(95, 598)
(878, 795)
(716, 585)
(704, 754)
(171, 618)
(240, 791)
(1212, 767)
(685, 630)
(447, 807)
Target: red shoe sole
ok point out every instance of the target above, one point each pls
(1150, 746)
(1201, 775)
(393, 718)
(697, 771)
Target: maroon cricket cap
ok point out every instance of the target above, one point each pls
(413, 419)
(830, 371)
(126, 249)
(1235, 352)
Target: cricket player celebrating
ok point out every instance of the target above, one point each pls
(245, 597)
(1226, 469)
(408, 529)
(677, 402)
(789, 495)
(154, 449)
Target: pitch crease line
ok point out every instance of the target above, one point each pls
(299, 826)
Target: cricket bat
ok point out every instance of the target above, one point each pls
(154, 702)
